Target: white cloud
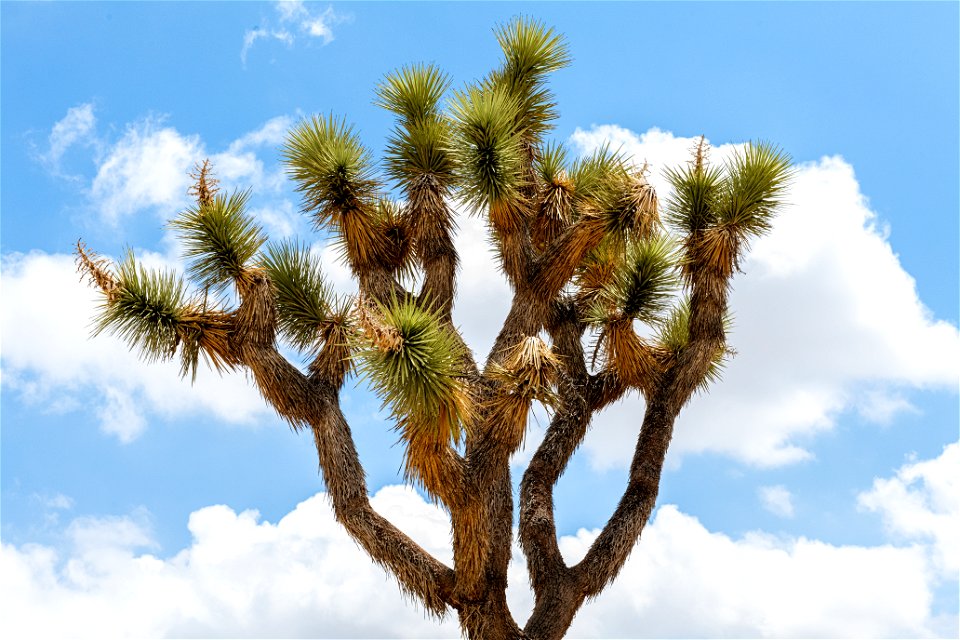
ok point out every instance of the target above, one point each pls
(300, 577)
(147, 168)
(826, 321)
(303, 577)
(756, 586)
(777, 500)
(77, 127)
(48, 355)
(483, 295)
(272, 134)
(922, 503)
(295, 15)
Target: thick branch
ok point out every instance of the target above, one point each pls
(303, 401)
(556, 265)
(538, 534)
(431, 223)
(706, 335)
(610, 550)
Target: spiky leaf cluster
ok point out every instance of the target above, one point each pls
(640, 286)
(303, 297)
(628, 206)
(696, 194)
(597, 178)
(757, 178)
(420, 143)
(145, 309)
(719, 209)
(487, 146)
(418, 373)
(556, 203)
(331, 167)
(531, 51)
(219, 239)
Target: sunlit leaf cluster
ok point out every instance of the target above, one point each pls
(146, 309)
(419, 375)
(331, 168)
(420, 143)
(219, 239)
(303, 297)
(719, 209)
(640, 286)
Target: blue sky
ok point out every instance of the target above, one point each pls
(829, 451)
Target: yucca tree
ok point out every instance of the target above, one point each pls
(587, 255)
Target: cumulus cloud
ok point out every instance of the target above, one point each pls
(294, 20)
(303, 577)
(48, 355)
(300, 577)
(686, 581)
(826, 322)
(922, 503)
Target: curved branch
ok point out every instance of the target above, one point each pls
(610, 550)
(538, 534)
(304, 401)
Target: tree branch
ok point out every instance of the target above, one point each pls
(610, 550)
(305, 401)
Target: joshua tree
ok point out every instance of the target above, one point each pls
(585, 252)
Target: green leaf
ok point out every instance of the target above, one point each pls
(530, 49)
(414, 92)
(331, 168)
(145, 310)
(487, 146)
(303, 297)
(641, 286)
(758, 176)
(596, 177)
(219, 238)
(420, 380)
(629, 207)
(423, 147)
(552, 162)
(696, 192)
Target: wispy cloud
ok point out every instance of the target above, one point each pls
(295, 20)
(777, 500)
(49, 360)
(147, 168)
(78, 127)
